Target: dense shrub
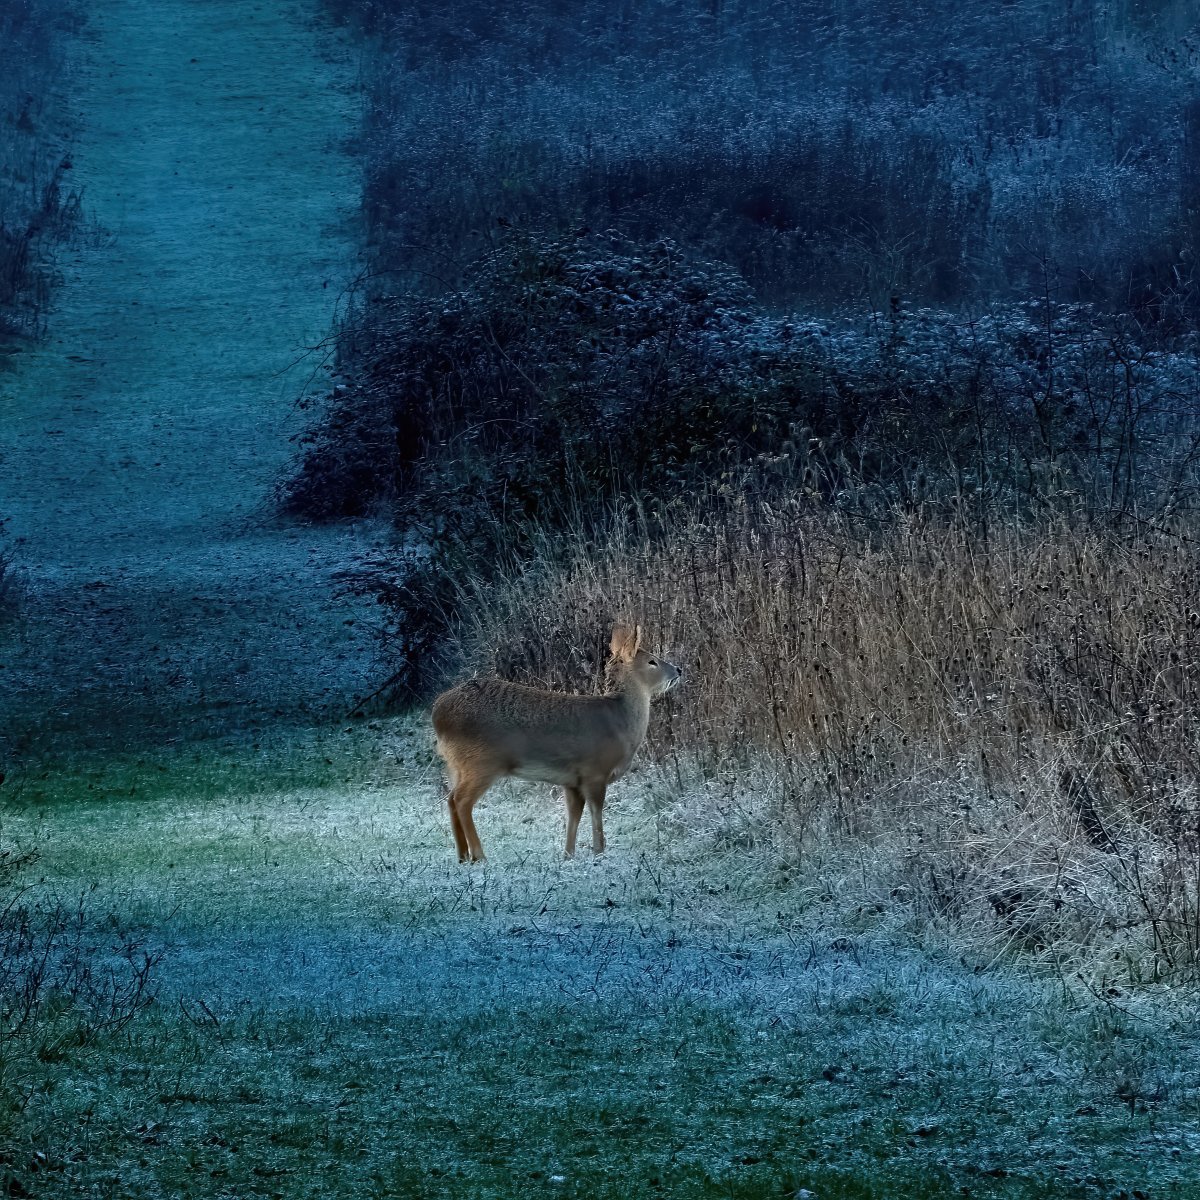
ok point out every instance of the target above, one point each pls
(576, 361)
(830, 152)
(572, 374)
(627, 371)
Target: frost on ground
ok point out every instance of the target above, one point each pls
(325, 953)
(140, 443)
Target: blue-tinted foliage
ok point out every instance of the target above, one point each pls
(831, 152)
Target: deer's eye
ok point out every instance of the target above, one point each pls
(654, 662)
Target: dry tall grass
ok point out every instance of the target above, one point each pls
(1012, 719)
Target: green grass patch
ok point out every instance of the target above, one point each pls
(344, 1010)
(548, 1100)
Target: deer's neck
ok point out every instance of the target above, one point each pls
(633, 703)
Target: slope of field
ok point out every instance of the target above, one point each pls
(138, 447)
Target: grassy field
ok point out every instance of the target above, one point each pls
(726, 1004)
(342, 1009)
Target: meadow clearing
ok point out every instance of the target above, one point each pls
(341, 1008)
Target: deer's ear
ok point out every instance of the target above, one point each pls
(624, 642)
(637, 640)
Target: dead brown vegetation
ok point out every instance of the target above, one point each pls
(1013, 714)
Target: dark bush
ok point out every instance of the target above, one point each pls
(562, 362)
(832, 153)
(571, 375)
(37, 206)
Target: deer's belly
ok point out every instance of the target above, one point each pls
(547, 773)
(569, 774)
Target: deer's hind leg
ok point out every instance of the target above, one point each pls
(463, 798)
(460, 838)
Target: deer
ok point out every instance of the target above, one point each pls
(488, 729)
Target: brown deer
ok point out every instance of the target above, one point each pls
(489, 728)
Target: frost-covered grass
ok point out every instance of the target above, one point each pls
(343, 1009)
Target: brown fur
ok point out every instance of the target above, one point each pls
(490, 728)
